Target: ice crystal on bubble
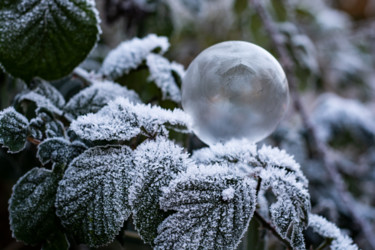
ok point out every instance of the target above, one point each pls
(123, 120)
(212, 208)
(92, 198)
(95, 97)
(161, 71)
(130, 54)
(31, 206)
(157, 162)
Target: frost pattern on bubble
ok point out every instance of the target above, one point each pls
(156, 164)
(95, 97)
(161, 71)
(289, 214)
(329, 230)
(123, 120)
(130, 54)
(59, 150)
(92, 198)
(13, 130)
(31, 206)
(333, 113)
(234, 90)
(203, 218)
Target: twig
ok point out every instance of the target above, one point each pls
(33, 140)
(268, 225)
(83, 75)
(319, 147)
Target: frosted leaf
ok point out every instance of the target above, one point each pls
(123, 120)
(93, 98)
(92, 197)
(13, 130)
(289, 214)
(59, 150)
(42, 102)
(334, 114)
(234, 90)
(31, 206)
(204, 218)
(46, 38)
(130, 54)
(161, 71)
(329, 230)
(156, 164)
(47, 90)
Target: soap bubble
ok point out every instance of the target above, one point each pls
(234, 90)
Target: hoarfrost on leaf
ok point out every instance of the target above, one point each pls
(31, 206)
(47, 90)
(157, 162)
(92, 198)
(59, 150)
(203, 219)
(161, 71)
(13, 130)
(130, 54)
(31, 40)
(40, 101)
(95, 97)
(329, 230)
(123, 120)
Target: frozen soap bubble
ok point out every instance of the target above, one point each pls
(234, 90)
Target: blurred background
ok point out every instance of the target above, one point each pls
(332, 47)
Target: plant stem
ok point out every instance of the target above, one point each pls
(319, 147)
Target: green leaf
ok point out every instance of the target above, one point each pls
(59, 150)
(46, 38)
(156, 164)
(57, 241)
(13, 130)
(47, 90)
(92, 197)
(213, 208)
(31, 206)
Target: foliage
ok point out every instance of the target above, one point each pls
(106, 156)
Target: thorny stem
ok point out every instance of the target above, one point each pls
(270, 227)
(317, 145)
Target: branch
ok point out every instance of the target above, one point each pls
(319, 147)
(33, 140)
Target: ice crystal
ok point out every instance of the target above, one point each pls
(123, 120)
(327, 229)
(289, 213)
(161, 71)
(130, 54)
(13, 130)
(203, 218)
(59, 150)
(31, 206)
(92, 197)
(93, 98)
(156, 164)
(31, 40)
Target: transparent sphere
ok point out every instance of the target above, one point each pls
(234, 90)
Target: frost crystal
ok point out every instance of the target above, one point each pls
(161, 71)
(31, 207)
(13, 130)
(156, 164)
(202, 219)
(130, 54)
(93, 98)
(334, 113)
(92, 197)
(123, 120)
(327, 229)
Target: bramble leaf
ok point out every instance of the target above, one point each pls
(156, 164)
(13, 130)
(92, 198)
(213, 208)
(31, 206)
(46, 38)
